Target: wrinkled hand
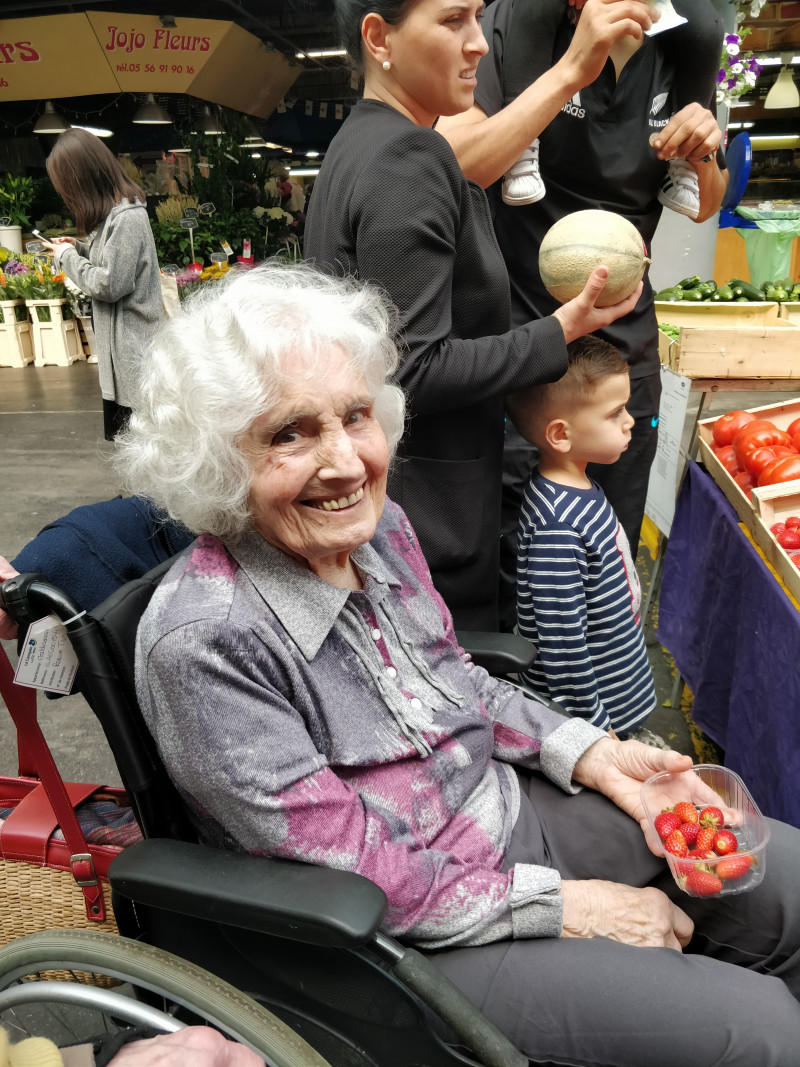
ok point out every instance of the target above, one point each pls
(643, 917)
(8, 628)
(690, 134)
(580, 316)
(617, 769)
(601, 24)
(195, 1046)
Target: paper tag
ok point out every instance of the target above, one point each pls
(669, 18)
(48, 660)
(226, 248)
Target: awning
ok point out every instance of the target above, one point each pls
(95, 52)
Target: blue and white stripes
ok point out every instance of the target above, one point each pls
(578, 601)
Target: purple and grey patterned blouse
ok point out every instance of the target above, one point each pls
(346, 728)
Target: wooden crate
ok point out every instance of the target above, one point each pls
(725, 313)
(763, 507)
(736, 351)
(790, 311)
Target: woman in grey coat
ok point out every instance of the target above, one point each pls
(117, 267)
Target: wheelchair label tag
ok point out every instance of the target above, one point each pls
(47, 660)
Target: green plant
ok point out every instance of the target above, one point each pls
(16, 197)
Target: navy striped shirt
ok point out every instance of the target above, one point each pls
(578, 601)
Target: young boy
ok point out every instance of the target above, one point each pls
(578, 593)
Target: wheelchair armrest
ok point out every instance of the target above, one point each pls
(497, 653)
(297, 901)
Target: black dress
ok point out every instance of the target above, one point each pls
(391, 205)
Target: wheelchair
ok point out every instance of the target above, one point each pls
(304, 942)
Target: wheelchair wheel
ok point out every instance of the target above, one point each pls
(78, 1011)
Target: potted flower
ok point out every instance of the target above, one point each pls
(16, 197)
(16, 343)
(55, 333)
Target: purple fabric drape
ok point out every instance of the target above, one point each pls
(735, 636)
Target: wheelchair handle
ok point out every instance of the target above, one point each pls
(28, 597)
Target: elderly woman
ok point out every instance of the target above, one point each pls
(305, 688)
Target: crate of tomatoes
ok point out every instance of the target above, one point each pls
(754, 457)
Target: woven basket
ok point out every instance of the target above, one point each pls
(41, 898)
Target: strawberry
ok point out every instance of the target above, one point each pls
(702, 854)
(778, 528)
(690, 830)
(735, 866)
(687, 812)
(711, 817)
(665, 823)
(792, 523)
(725, 843)
(676, 844)
(705, 839)
(702, 883)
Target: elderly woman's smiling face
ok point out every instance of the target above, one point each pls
(320, 462)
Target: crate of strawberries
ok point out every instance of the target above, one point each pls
(708, 827)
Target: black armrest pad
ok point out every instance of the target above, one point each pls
(298, 901)
(497, 653)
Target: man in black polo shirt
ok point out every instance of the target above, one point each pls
(610, 89)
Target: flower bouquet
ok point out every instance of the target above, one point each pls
(738, 70)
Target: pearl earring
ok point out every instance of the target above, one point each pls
(386, 64)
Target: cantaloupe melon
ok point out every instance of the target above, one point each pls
(583, 240)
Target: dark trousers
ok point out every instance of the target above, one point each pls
(730, 998)
(115, 418)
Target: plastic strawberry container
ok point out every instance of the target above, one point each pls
(703, 785)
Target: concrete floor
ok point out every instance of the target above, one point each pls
(53, 457)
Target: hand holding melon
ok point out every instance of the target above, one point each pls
(575, 245)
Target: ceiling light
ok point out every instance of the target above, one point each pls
(98, 131)
(255, 155)
(784, 92)
(212, 127)
(323, 53)
(312, 154)
(773, 61)
(775, 137)
(50, 121)
(279, 147)
(304, 172)
(179, 151)
(151, 113)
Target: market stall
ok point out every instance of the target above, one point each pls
(734, 633)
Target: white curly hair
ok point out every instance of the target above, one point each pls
(218, 365)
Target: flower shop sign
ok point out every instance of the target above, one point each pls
(208, 58)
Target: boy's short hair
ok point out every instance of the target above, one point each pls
(591, 359)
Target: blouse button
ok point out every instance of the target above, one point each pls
(376, 635)
(415, 703)
(391, 672)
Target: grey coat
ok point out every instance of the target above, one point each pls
(119, 271)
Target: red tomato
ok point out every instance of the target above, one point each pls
(727, 458)
(759, 434)
(783, 450)
(778, 528)
(795, 440)
(758, 459)
(793, 522)
(789, 539)
(784, 469)
(793, 428)
(727, 425)
(744, 479)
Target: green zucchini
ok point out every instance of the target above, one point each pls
(690, 283)
(724, 293)
(692, 294)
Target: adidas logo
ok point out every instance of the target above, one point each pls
(573, 107)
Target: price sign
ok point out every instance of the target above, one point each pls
(41, 261)
(34, 246)
(189, 224)
(190, 213)
(218, 257)
(207, 209)
(171, 268)
(5, 221)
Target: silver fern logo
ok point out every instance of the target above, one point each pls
(658, 103)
